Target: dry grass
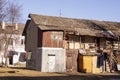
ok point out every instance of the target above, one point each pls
(21, 73)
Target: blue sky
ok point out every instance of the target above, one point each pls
(107, 10)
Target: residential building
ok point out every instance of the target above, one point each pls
(12, 43)
(57, 44)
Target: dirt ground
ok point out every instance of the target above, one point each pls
(25, 74)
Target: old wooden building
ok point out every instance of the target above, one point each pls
(55, 44)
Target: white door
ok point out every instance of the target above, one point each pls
(51, 63)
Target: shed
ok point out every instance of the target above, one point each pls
(88, 64)
(51, 60)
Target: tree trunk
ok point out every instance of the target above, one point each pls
(6, 61)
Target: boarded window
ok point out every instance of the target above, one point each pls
(74, 45)
(74, 42)
(86, 46)
(77, 45)
(71, 45)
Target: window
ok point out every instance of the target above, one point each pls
(74, 42)
(22, 41)
(10, 42)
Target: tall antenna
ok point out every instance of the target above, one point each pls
(60, 13)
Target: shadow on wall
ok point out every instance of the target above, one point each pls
(34, 61)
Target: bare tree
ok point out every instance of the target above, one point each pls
(3, 4)
(6, 37)
(14, 12)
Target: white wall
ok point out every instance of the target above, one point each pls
(16, 46)
(42, 59)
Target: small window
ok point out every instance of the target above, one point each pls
(71, 45)
(51, 54)
(10, 42)
(22, 41)
(83, 39)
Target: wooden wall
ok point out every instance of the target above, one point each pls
(31, 44)
(40, 37)
(71, 60)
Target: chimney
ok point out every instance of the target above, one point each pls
(16, 26)
(3, 25)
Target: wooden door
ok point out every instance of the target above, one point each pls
(51, 63)
(11, 60)
(87, 64)
(69, 63)
(72, 60)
